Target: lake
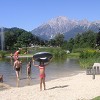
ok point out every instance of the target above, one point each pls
(56, 69)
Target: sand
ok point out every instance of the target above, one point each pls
(77, 87)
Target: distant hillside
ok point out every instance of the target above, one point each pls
(65, 26)
(10, 29)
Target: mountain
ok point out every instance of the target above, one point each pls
(63, 25)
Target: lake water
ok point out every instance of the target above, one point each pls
(54, 70)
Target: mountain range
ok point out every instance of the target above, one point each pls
(66, 26)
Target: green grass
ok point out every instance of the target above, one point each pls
(57, 52)
(73, 55)
(96, 98)
(88, 62)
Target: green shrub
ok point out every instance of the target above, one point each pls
(89, 57)
(2, 54)
(89, 53)
(57, 52)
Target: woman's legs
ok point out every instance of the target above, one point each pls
(42, 80)
(44, 83)
(40, 84)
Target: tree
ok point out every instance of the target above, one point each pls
(10, 38)
(59, 39)
(77, 41)
(70, 44)
(15, 38)
(25, 38)
(64, 45)
(98, 38)
(86, 39)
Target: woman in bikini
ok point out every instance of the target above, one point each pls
(41, 67)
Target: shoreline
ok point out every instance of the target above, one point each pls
(76, 87)
(55, 70)
(21, 56)
(4, 86)
(34, 81)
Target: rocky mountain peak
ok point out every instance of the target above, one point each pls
(62, 24)
(60, 20)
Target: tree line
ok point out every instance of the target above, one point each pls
(16, 38)
(88, 39)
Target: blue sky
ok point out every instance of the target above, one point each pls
(29, 14)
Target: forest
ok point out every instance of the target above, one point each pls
(16, 38)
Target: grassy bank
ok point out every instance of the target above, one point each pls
(96, 98)
(86, 63)
(88, 58)
(75, 55)
(57, 51)
(2, 54)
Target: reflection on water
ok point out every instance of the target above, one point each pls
(55, 69)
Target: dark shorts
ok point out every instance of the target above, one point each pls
(17, 69)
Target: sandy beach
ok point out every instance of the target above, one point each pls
(77, 87)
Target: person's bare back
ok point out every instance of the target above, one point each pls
(17, 64)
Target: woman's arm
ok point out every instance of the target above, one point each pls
(34, 63)
(48, 62)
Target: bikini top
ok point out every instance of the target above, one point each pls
(41, 67)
